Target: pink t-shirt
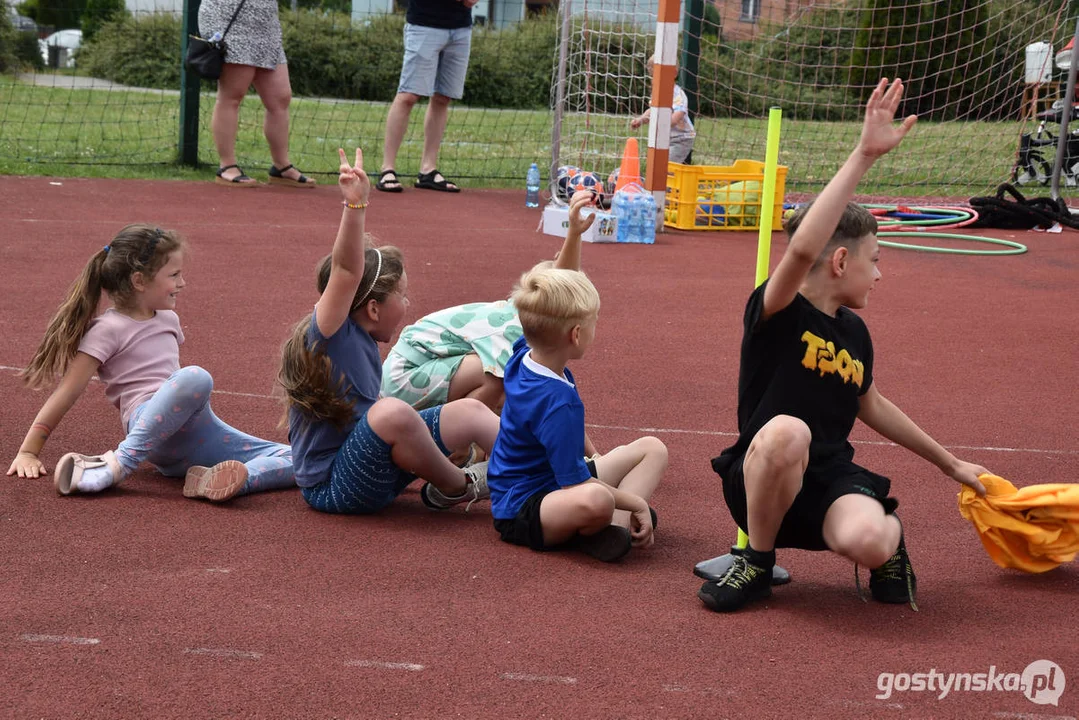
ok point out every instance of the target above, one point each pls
(136, 356)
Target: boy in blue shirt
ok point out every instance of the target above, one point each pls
(544, 494)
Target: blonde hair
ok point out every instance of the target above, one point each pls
(551, 300)
(135, 249)
(306, 374)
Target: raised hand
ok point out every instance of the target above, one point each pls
(580, 200)
(353, 181)
(879, 131)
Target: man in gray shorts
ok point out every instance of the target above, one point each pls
(438, 35)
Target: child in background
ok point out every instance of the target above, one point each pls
(682, 132)
(354, 452)
(134, 347)
(805, 375)
(544, 494)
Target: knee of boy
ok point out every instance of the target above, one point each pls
(784, 440)
(596, 502)
(866, 542)
(195, 380)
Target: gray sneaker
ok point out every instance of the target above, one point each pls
(475, 476)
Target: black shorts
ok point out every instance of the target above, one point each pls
(525, 527)
(824, 482)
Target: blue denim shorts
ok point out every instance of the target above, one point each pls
(436, 61)
(363, 477)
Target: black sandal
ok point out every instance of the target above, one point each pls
(427, 181)
(381, 184)
(277, 177)
(240, 181)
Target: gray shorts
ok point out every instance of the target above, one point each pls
(436, 61)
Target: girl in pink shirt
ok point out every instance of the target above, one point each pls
(134, 348)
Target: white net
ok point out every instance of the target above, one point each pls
(976, 73)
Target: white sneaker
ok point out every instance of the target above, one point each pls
(475, 476)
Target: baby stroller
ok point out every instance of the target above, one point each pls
(1038, 150)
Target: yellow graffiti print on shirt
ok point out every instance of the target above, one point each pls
(821, 355)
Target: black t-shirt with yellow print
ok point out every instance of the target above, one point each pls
(804, 363)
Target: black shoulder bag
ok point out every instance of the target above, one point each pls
(206, 57)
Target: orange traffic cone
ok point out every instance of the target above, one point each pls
(630, 171)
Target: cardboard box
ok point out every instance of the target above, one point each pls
(556, 222)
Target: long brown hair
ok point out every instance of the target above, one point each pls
(306, 374)
(135, 249)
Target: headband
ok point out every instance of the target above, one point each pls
(378, 271)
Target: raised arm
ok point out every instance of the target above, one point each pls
(569, 257)
(879, 135)
(346, 271)
(26, 463)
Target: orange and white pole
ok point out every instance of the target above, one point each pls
(664, 71)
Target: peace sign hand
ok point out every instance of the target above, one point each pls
(353, 181)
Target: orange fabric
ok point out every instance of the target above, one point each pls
(1033, 529)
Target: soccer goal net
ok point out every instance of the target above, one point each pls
(976, 72)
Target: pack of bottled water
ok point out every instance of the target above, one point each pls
(634, 211)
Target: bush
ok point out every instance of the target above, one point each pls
(8, 63)
(59, 14)
(18, 50)
(143, 52)
(328, 56)
(99, 12)
(28, 51)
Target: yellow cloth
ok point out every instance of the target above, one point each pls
(1034, 529)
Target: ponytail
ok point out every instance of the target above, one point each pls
(67, 326)
(135, 249)
(306, 376)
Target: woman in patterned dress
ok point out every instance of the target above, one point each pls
(253, 55)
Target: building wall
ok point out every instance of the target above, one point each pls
(769, 12)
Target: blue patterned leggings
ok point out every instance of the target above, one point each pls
(176, 429)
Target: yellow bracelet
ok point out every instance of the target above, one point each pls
(354, 206)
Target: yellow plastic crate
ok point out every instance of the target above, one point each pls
(713, 197)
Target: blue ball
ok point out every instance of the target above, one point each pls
(712, 214)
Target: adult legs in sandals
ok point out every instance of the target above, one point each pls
(231, 89)
(772, 469)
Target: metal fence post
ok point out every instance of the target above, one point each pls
(190, 84)
(691, 51)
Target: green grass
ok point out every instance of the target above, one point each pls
(132, 134)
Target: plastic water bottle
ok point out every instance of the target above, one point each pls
(635, 213)
(216, 37)
(532, 186)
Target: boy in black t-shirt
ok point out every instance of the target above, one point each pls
(806, 373)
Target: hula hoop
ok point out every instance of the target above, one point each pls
(1013, 248)
(957, 217)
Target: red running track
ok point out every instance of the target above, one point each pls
(139, 603)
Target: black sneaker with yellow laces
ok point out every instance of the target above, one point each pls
(749, 578)
(894, 581)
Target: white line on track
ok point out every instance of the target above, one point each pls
(59, 639)
(378, 664)
(690, 431)
(526, 677)
(1030, 716)
(225, 653)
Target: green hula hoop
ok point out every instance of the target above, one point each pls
(1012, 248)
